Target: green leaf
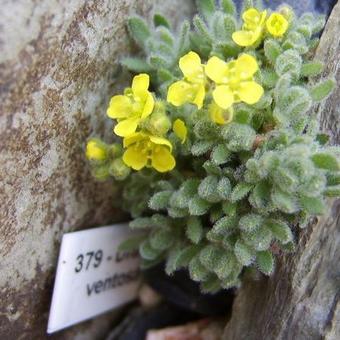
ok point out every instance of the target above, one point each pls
(229, 28)
(202, 29)
(333, 178)
(171, 264)
(184, 42)
(228, 6)
(311, 69)
(333, 191)
(197, 271)
(139, 30)
(158, 62)
(136, 65)
(314, 205)
(208, 189)
(220, 154)
(229, 208)
(319, 24)
(288, 62)
(206, 8)
(225, 224)
(322, 90)
(211, 168)
(198, 206)
(132, 243)
(161, 239)
(269, 78)
(280, 230)
(239, 137)
(326, 161)
(201, 147)
(210, 255)
(243, 253)
(240, 191)
(246, 4)
(177, 212)
(265, 262)
(295, 41)
(250, 222)
(147, 252)
(272, 50)
(224, 188)
(260, 239)
(284, 201)
(194, 230)
(212, 285)
(164, 75)
(225, 265)
(159, 20)
(160, 200)
(186, 255)
(141, 223)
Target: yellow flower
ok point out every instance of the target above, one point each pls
(235, 81)
(219, 115)
(252, 29)
(131, 108)
(95, 150)
(180, 129)
(191, 89)
(277, 25)
(144, 150)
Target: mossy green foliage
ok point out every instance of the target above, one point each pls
(238, 190)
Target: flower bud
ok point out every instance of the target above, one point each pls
(159, 124)
(119, 170)
(96, 150)
(101, 173)
(115, 150)
(287, 12)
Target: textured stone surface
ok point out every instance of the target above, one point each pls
(58, 63)
(301, 300)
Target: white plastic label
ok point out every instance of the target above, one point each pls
(92, 275)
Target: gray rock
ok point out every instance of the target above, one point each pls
(301, 299)
(58, 68)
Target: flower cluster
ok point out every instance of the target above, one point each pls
(256, 24)
(229, 82)
(226, 82)
(217, 154)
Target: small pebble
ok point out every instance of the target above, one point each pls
(148, 297)
(204, 329)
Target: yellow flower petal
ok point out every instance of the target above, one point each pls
(263, 17)
(94, 151)
(246, 66)
(126, 127)
(160, 141)
(134, 138)
(180, 93)
(120, 107)
(140, 85)
(162, 159)
(148, 106)
(223, 96)
(191, 66)
(244, 38)
(216, 69)
(219, 115)
(135, 157)
(199, 96)
(250, 92)
(277, 25)
(180, 129)
(251, 16)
